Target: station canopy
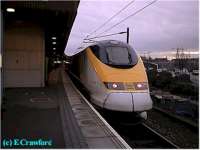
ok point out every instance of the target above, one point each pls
(55, 17)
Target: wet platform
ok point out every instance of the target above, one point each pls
(57, 113)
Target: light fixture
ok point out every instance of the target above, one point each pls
(53, 38)
(67, 62)
(54, 48)
(54, 43)
(10, 10)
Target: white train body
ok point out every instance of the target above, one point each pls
(119, 88)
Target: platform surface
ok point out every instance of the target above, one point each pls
(96, 131)
(32, 113)
(56, 113)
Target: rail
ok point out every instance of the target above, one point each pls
(185, 121)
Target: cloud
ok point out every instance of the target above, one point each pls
(162, 26)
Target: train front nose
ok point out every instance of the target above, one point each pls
(141, 101)
(119, 102)
(128, 102)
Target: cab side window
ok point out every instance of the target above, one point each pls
(95, 49)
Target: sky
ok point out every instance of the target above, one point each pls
(161, 27)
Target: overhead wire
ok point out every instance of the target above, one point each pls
(139, 10)
(105, 35)
(98, 36)
(101, 26)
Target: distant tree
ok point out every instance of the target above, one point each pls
(183, 77)
(180, 85)
(152, 74)
(163, 80)
(184, 88)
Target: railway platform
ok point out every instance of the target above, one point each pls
(57, 114)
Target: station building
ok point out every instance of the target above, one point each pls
(33, 35)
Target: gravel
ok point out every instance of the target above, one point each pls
(175, 131)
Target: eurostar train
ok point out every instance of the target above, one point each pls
(115, 77)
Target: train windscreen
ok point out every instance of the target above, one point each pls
(116, 56)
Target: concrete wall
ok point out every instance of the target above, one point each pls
(23, 58)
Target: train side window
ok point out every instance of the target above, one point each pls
(95, 50)
(99, 53)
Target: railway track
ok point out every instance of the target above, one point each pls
(142, 136)
(181, 133)
(190, 124)
(164, 141)
(136, 135)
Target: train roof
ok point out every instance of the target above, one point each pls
(106, 43)
(103, 43)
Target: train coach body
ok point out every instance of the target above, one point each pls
(114, 75)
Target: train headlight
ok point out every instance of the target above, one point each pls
(141, 86)
(114, 85)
